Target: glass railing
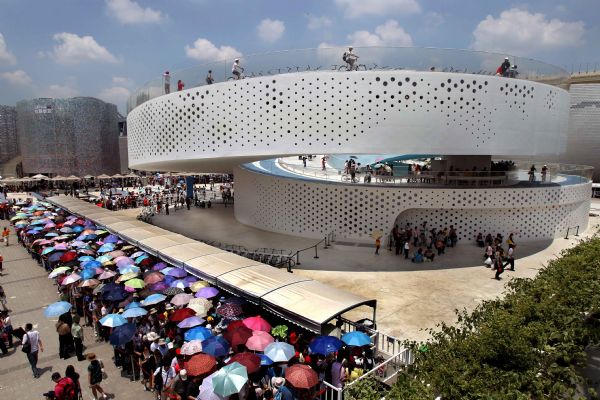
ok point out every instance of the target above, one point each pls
(370, 58)
(518, 174)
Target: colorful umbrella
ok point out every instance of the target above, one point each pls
(237, 336)
(68, 256)
(190, 322)
(113, 320)
(192, 347)
(104, 258)
(89, 283)
(111, 239)
(215, 346)
(135, 283)
(200, 364)
(159, 266)
(134, 312)
(230, 310)
(57, 309)
(47, 250)
(105, 248)
(207, 292)
(201, 306)
(280, 351)
(181, 314)
(107, 275)
(325, 345)
(259, 341)
(356, 338)
(122, 334)
(154, 299)
(85, 258)
(301, 376)
(58, 271)
(198, 285)
(123, 261)
(207, 392)
(71, 279)
(91, 264)
(153, 277)
(177, 273)
(197, 333)
(257, 323)
(230, 379)
(88, 273)
(249, 360)
(133, 304)
(172, 291)
(137, 254)
(264, 360)
(127, 276)
(180, 283)
(159, 286)
(129, 269)
(117, 253)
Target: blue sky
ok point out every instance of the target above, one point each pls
(106, 48)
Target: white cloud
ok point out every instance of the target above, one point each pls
(59, 91)
(116, 95)
(204, 50)
(129, 12)
(521, 32)
(18, 77)
(73, 49)
(360, 8)
(270, 30)
(388, 34)
(122, 81)
(433, 20)
(5, 55)
(315, 22)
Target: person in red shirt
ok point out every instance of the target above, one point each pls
(180, 85)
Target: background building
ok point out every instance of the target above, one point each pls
(9, 145)
(75, 136)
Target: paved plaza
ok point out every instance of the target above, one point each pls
(29, 291)
(410, 297)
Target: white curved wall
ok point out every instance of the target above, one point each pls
(312, 209)
(219, 126)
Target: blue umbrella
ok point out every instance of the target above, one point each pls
(116, 294)
(180, 283)
(111, 239)
(85, 258)
(113, 320)
(77, 228)
(129, 268)
(137, 254)
(134, 312)
(190, 322)
(122, 334)
(154, 299)
(106, 248)
(54, 257)
(104, 258)
(325, 345)
(66, 229)
(91, 264)
(56, 309)
(91, 236)
(133, 304)
(87, 274)
(216, 346)
(197, 333)
(47, 250)
(264, 360)
(32, 232)
(168, 279)
(356, 338)
(51, 234)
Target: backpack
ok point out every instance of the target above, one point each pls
(344, 56)
(68, 389)
(96, 371)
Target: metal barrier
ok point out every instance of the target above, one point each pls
(327, 240)
(572, 227)
(387, 370)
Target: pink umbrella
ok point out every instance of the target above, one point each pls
(181, 299)
(259, 340)
(49, 225)
(257, 323)
(123, 261)
(106, 275)
(70, 279)
(45, 242)
(60, 246)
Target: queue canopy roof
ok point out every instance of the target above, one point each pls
(103, 176)
(306, 302)
(58, 178)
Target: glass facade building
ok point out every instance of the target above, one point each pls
(9, 145)
(76, 136)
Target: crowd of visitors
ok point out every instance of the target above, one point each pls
(181, 337)
(426, 243)
(495, 257)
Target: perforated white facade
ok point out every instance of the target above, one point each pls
(312, 209)
(218, 126)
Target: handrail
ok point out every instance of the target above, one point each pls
(405, 357)
(328, 239)
(576, 232)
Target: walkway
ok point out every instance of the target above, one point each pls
(410, 297)
(29, 291)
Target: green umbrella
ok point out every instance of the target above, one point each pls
(135, 283)
(57, 271)
(230, 379)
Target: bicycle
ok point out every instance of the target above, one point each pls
(233, 78)
(355, 67)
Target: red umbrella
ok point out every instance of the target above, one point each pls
(153, 277)
(249, 360)
(182, 314)
(235, 324)
(301, 376)
(200, 364)
(68, 256)
(237, 336)
(257, 323)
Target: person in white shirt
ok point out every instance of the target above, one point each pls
(33, 338)
(236, 69)
(510, 257)
(167, 82)
(351, 58)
